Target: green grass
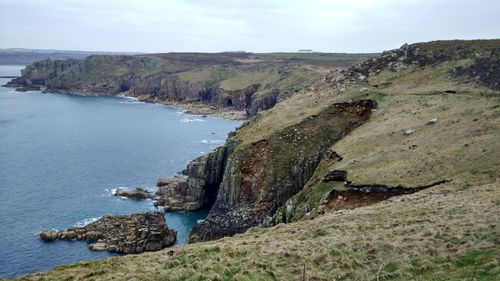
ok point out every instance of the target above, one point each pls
(447, 232)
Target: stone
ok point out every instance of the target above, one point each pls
(49, 235)
(99, 246)
(364, 90)
(408, 131)
(136, 194)
(123, 234)
(198, 189)
(432, 121)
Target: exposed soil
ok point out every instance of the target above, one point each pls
(253, 169)
(363, 195)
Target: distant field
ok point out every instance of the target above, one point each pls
(320, 56)
(17, 56)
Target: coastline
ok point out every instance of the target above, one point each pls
(191, 108)
(199, 108)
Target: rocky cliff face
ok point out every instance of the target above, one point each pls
(172, 79)
(199, 189)
(260, 178)
(132, 234)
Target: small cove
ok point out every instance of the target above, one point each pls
(62, 155)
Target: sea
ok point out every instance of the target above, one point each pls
(63, 155)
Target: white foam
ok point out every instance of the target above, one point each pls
(128, 97)
(213, 141)
(189, 120)
(113, 191)
(87, 221)
(200, 221)
(131, 102)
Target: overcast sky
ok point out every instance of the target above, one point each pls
(254, 25)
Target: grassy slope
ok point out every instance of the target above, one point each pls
(461, 146)
(447, 232)
(438, 234)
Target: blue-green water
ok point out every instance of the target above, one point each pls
(62, 155)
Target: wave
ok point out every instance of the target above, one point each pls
(128, 97)
(188, 120)
(131, 102)
(113, 191)
(213, 141)
(86, 222)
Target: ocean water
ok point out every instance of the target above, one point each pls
(61, 156)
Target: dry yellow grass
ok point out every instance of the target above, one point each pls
(404, 236)
(461, 146)
(447, 232)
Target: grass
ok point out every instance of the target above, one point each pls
(417, 237)
(245, 79)
(460, 147)
(447, 232)
(320, 56)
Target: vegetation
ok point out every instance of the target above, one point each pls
(431, 235)
(447, 232)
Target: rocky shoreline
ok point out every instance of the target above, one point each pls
(237, 182)
(174, 81)
(137, 233)
(199, 108)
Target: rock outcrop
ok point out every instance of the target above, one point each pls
(197, 190)
(485, 54)
(261, 178)
(171, 78)
(135, 194)
(132, 234)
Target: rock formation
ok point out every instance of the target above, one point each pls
(199, 189)
(261, 178)
(174, 78)
(132, 234)
(136, 194)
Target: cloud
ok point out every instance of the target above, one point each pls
(261, 26)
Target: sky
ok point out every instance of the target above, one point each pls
(254, 26)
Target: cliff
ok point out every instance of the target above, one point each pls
(239, 82)
(284, 165)
(261, 176)
(199, 189)
(385, 170)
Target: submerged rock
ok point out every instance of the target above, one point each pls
(136, 194)
(132, 234)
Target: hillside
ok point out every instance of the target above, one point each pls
(387, 170)
(19, 56)
(239, 83)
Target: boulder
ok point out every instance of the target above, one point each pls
(132, 234)
(48, 235)
(408, 132)
(136, 194)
